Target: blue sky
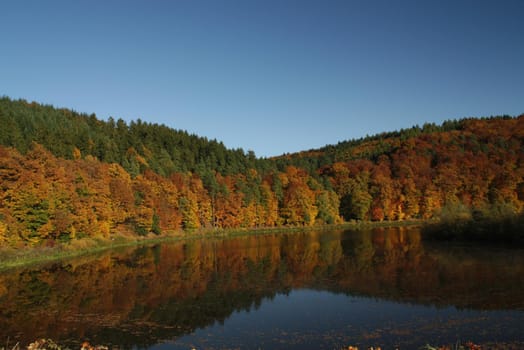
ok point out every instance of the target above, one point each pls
(272, 76)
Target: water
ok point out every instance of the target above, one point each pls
(311, 290)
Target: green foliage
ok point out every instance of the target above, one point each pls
(141, 230)
(32, 213)
(81, 176)
(188, 208)
(356, 203)
(136, 146)
(328, 207)
(454, 212)
(155, 226)
(481, 226)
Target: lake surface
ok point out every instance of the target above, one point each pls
(316, 290)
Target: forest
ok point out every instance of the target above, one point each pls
(66, 175)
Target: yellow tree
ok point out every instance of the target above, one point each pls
(328, 205)
(188, 205)
(203, 200)
(299, 207)
(269, 204)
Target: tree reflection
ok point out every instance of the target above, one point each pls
(136, 297)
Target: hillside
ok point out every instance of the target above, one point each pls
(66, 175)
(136, 146)
(371, 147)
(470, 163)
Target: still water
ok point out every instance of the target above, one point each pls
(316, 290)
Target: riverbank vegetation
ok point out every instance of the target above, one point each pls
(68, 177)
(490, 225)
(12, 257)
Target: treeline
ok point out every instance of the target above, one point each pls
(478, 170)
(46, 198)
(65, 175)
(136, 146)
(370, 147)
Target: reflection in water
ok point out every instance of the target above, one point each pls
(140, 297)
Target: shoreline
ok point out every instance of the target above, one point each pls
(11, 258)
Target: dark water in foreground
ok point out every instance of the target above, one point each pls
(281, 291)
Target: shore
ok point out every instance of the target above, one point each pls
(19, 257)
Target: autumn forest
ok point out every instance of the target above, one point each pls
(66, 176)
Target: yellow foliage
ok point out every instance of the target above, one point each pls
(144, 217)
(250, 216)
(104, 228)
(76, 153)
(189, 209)
(72, 232)
(46, 230)
(3, 230)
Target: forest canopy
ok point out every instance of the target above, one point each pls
(66, 175)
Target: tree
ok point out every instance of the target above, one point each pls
(328, 205)
(299, 206)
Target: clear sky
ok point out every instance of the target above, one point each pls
(272, 76)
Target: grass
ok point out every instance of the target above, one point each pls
(26, 256)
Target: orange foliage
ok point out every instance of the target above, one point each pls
(481, 168)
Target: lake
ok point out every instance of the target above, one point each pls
(313, 290)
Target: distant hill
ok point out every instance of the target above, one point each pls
(66, 175)
(371, 147)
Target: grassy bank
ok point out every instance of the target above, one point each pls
(33, 255)
(504, 230)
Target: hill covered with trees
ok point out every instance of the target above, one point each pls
(66, 175)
